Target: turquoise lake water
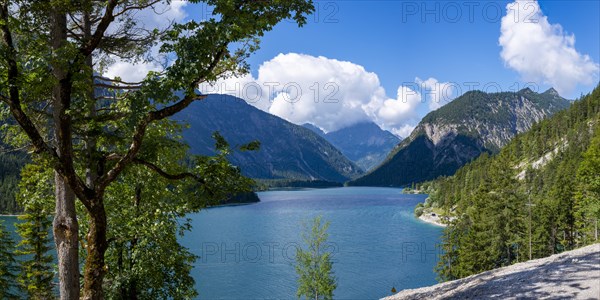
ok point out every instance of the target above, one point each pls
(247, 251)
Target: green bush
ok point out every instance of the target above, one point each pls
(419, 210)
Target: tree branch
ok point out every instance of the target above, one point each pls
(158, 170)
(138, 7)
(107, 18)
(211, 67)
(117, 87)
(166, 175)
(76, 22)
(117, 81)
(152, 116)
(101, 118)
(13, 100)
(138, 138)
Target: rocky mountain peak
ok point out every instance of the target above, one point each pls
(552, 91)
(461, 130)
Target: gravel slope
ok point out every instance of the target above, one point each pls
(569, 275)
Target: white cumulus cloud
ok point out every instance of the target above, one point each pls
(403, 131)
(328, 93)
(396, 112)
(542, 52)
(437, 93)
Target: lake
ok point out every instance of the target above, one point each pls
(247, 251)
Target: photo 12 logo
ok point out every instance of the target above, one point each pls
(422, 252)
(255, 252)
(444, 92)
(325, 12)
(291, 92)
(469, 11)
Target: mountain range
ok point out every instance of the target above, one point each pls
(365, 143)
(287, 151)
(460, 131)
(443, 141)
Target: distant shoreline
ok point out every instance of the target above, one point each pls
(428, 218)
(9, 215)
(230, 204)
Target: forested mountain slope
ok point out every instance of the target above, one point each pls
(453, 135)
(540, 195)
(11, 163)
(287, 151)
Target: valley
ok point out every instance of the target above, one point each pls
(299, 149)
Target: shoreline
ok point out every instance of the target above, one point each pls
(230, 204)
(428, 218)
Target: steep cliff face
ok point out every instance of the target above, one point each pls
(453, 135)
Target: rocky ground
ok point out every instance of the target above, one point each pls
(569, 275)
(432, 219)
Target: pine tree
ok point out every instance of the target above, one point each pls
(37, 272)
(314, 265)
(37, 264)
(8, 265)
(587, 205)
(37, 269)
(499, 214)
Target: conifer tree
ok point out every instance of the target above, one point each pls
(587, 207)
(539, 196)
(8, 267)
(37, 265)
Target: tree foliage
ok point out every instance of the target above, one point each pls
(313, 265)
(90, 129)
(147, 214)
(37, 265)
(11, 163)
(8, 265)
(145, 259)
(537, 197)
(587, 197)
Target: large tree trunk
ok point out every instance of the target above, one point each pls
(66, 231)
(96, 248)
(96, 236)
(65, 227)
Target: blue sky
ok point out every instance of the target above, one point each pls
(392, 62)
(405, 43)
(398, 46)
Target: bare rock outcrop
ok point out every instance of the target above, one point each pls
(569, 275)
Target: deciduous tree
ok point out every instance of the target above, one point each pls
(49, 53)
(313, 265)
